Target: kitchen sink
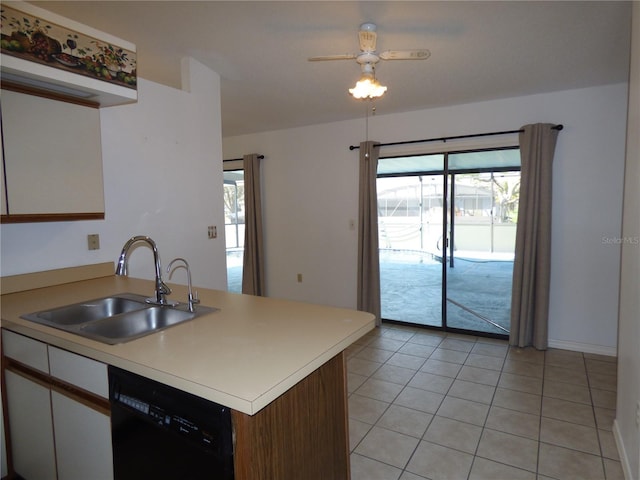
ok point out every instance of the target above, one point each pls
(87, 311)
(116, 319)
(137, 324)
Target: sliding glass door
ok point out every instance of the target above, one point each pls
(480, 264)
(410, 225)
(447, 236)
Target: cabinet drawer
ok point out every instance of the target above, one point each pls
(25, 350)
(80, 371)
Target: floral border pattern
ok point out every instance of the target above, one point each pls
(35, 39)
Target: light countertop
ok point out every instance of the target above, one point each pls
(244, 356)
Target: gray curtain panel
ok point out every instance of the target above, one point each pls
(532, 262)
(368, 254)
(253, 260)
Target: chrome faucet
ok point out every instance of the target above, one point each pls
(162, 290)
(192, 299)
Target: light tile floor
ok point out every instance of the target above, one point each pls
(429, 405)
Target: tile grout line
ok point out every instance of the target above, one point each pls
(544, 369)
(595, 418)
(475, 453)
(421, 439)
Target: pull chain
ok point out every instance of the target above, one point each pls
(366, 123)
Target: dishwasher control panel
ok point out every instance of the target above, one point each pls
(199, 432)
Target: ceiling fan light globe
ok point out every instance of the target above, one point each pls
(367, 88)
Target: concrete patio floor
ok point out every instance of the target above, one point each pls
(411, 289)
(478, 290)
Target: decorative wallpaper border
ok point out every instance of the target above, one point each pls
(38, 40)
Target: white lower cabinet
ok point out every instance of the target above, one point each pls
(83, 440)
(29, 410)
(56, 430)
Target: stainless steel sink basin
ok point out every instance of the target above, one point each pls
(137, 324)
(87, 311)
(116, 319)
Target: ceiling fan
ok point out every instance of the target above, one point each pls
(369, 57)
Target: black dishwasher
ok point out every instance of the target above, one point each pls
(159, 432)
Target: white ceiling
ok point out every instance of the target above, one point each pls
(479, 51)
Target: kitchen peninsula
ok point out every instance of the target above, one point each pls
(278, 365)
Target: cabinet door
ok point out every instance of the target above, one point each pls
(83, 440)
(52, 156)
(29, 411)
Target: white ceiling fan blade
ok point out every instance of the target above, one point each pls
(421, 54)
(346, 56)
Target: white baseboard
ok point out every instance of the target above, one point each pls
(624, 459)
(584, 347)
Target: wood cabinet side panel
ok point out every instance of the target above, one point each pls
(302, 434)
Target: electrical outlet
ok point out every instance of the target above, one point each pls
(93, 241)
(212, 231)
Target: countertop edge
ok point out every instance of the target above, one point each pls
(217, 396)
(249, 405)
(305, 371)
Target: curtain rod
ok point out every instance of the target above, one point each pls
(239, 159)
(457, 137)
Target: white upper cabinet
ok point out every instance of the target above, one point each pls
(52, 159)
(56, 73)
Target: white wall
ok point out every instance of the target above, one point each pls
(626, 426)
(162, 166)
(310, 195)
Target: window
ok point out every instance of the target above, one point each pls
(234, 227)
